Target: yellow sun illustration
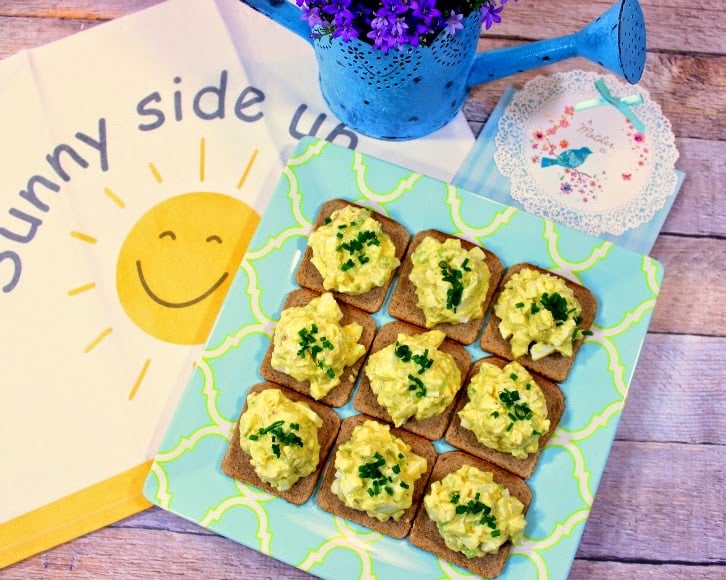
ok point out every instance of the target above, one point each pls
(177, 262)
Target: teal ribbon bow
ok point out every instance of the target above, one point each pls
(622, 105)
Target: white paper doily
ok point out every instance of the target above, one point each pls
(587, 168)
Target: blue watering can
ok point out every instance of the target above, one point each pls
(409, 93)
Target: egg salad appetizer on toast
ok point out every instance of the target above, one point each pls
(472, 514)
(376, 476)
(318, 346)
(446, 283)
(353, 252)
(280, 442)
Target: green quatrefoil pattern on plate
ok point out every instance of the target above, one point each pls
(186, 478)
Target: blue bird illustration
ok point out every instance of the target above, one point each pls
(570, 159)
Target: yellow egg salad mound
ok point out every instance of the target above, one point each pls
(507, 410)
(352, 253)
(412, 377)
(376, 472)
(281, 438)
(311, 345)
(474, 514)
(538, 309)
(451, 282)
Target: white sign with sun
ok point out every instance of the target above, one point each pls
(136, 159)
(126, 244)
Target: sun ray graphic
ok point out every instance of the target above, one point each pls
(148, 289)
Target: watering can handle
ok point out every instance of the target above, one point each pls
(285, 14)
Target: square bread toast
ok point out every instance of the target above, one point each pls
(403, 303)
(366, 401)
(554, 366)
(425, 533)
(330, 502)
(236, 463)
(340, 394)
(464, 439)
(308, 276)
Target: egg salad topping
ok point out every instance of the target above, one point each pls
(474, 514)
(507, 410)
(281, 438)
(412, 377)
(451, 282)
(540, 310)
(311, 345)
(352, 253)
(376, 472)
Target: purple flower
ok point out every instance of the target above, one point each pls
(346, 33)
(312, 16)
(339, 10)
(394, 23)
(453, 23)
(425, 10)
(490, 14)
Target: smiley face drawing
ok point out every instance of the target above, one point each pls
(178, 261)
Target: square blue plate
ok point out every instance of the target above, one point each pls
(186, 478)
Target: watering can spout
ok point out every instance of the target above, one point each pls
(615, 41)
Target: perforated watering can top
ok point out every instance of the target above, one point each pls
(409, 93)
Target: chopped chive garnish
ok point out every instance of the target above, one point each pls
(556, 304)
(453, 277)
(417, 386)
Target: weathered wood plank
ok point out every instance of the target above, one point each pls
(659, 502)
(692, 296)
(696, 112)
(87, 9)
(18, 34)
(650, 509)
(699, 208)
(672, 25)
(151, 553)
(588, 570)
(675, 393)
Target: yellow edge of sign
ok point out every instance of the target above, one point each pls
(76, 514)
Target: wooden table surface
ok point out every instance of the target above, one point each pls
(659, 511)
